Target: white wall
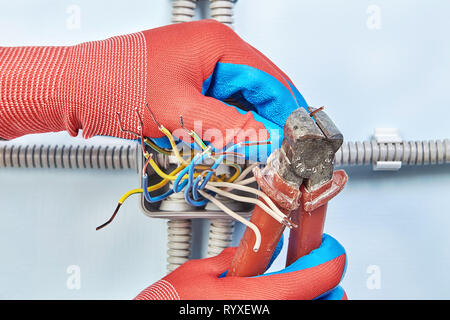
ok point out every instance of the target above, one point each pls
(394, 76)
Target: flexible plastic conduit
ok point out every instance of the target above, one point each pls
(222, 11)
(220, 235)
(408, 152)
(68, 156)
(125, 157)
(179, 235)
(183, 10)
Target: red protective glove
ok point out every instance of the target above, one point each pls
(316, 275)
(186, 69)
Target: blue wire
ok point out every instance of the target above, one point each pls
(193, 202)
(187, 191)
(176, 185)
(215, 165)
(193, 185)
(195, 188)
(147, 194)
(209, 174)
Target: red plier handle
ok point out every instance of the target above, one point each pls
(309, 214)
(310, 217)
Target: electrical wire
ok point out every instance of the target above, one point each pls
(250, 190)
(237, 172)
(152, 145)
(174, 145)
(246, 171)
(154, 187)
(147, 195)
(193, 183)
(280, 218)
(200, 182)
(203, 146)
(193, 135)
(188, 190)
(221, 158)
(159, 172)
(169, 136)
(246, 181)
(234, 215)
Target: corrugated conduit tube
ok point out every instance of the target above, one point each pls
(222, 11)
(428, 152)
(68, 156)
(183, 10)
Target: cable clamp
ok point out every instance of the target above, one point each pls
(385, 138)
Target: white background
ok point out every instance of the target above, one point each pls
(396, 75)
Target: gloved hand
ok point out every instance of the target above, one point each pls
(315, 276)
(187, 69)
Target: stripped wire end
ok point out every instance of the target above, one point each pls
(153, 117)
(149, 157)
(312, 112)
(193, 135)
(141, 127)
(288, 223)
(190, 132)
(182, 125)
(119, 119)
(110, 219)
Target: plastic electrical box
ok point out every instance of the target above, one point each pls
(180, 209)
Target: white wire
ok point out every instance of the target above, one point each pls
(275, 215)
(251, 190)
(246, 181)
(233, 214)
(246, 172)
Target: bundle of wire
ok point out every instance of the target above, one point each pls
(199, 181)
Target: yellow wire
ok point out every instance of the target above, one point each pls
(236, 174)
(181, 160)
(174, 145)
(168, 177)
(129, 193)
(198, 140)
(203, 146)
(172, 176)
(161, 173)
(153, 187)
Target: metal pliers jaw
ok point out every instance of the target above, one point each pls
(310, 142)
